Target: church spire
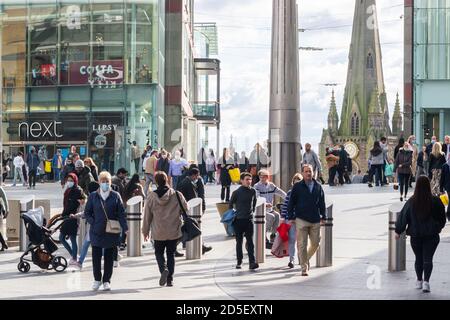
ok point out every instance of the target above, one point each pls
(333, 118)
(365, 71)
(397, 119)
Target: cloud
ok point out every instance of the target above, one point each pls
(244, 50)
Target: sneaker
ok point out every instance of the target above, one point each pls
(122, 247)
(253, 266)
(291, 265)
(426, 287)
(239, 266)
(370, 185)
(106, 286)
(119, 257)
(419, 285)
(304, 274)
(178, 254)
(96, 285)
(163, 279)
(116, 264)
(206, 249)
(169, 282)
(401, 199)
(72, 262)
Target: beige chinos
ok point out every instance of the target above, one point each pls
(306, 229)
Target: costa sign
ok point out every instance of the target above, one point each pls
(102, 74)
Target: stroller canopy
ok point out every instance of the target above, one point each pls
(36, 216)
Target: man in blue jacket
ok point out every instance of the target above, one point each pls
(32, 163)
(306, 209)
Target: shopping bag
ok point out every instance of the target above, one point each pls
(48, 166)
(235, 175)
(280, 248)
(444, 199)
(283, 231)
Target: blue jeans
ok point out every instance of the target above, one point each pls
(57, 174)
(72, 250)
(292, 239)
(84, 251)
(175, 181)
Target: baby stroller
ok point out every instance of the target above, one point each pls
(41, 245)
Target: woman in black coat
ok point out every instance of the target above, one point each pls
(225, 163)
(423, 218)
(73, 197)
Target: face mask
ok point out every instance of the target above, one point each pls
(433, 141)
(195, 181)
(105, 187)
(70, 184)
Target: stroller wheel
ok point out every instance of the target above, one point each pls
(23, 266)
(59, 264)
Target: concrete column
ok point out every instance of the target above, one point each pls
(441, 124)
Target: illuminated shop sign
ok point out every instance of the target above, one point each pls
(40, 129)
(102, 74)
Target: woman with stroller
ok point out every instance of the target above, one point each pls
(73, 198)
(104, 208)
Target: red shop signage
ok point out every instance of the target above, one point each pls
(102, 73)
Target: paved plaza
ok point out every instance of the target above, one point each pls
(359, 262)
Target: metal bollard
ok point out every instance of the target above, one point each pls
(259, 234)
(134, 218)
(194, 247)
(81, 232)
(324, 255)
(26, 204)
(397, 248)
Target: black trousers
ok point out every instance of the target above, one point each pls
(331, 175)
(2, 241)
(403, 180)
(244, 228)
(424, 249)
(169, 246)
(377, 170)
(225, 193)
(32, 178)
(97, 254)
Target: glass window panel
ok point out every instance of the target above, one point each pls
(43, 100)
(74, 99)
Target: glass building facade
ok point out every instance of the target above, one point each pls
(431, 69)
(88, 73)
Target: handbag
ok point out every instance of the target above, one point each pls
(190, 228)
(112, 226)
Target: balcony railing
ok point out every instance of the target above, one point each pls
(207, 111)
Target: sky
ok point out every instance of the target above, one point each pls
(244, 33)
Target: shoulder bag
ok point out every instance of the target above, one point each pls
(112, 226)
(190, 228)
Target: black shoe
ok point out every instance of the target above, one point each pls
(370, 185)
(239, 266)
(272, 237)
(291, 265)
(206, 249)
(122, 247)
(178, 254)
(163, 279)
(253, 266)
(401, 199)
(269, 245)
(169, 282)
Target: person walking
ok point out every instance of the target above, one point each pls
(18, 168)
(103, 207)
(177, 166)
(243, 200)
(446, 146)
(343, 170)
(162, 217)
(423, 218)
(4, 211)
(211, 167)
(332, 162)
(33, 162)
(377, 162)
(84, 175)
(437, 160)
(402, 167)
(5, 159)
(135, 156)
(292, 230)
(73, 198)
(420, 169)
(224, 164)
(120, 180)
(57, 165)
(258, 160)
(385, 148)
(268, 190)
(307, 209)
(69, 167)
(163, 163)
(89, 162)
(244, 163)
(389, 171)
(201, 160)
(310, 157)
(445, 181)
(150, 169)
(401, 143)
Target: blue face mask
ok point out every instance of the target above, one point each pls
(105, 187)
(70, 184)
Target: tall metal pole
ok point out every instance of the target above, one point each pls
(1, 94)
(284, 119)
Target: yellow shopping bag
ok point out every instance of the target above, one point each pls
(444, 199)
(235, 175)
(48, 166)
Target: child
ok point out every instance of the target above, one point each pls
(243, 200)
(389, 171)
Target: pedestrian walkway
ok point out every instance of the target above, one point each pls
(359, 270)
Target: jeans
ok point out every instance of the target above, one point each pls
(225, 189)
(377, 170)
(403, 180)
(73, 250)
(32, 178)
(84, 251)
(424, 249)
(292, 239)
(136, 164)
(56, 174)
(244, 228)
(149, 179)
(306, 229)
(211, 178)
(169, 246)
(175, 181)
(18, 172)
(97, 254)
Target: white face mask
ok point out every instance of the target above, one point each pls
(70, 184)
